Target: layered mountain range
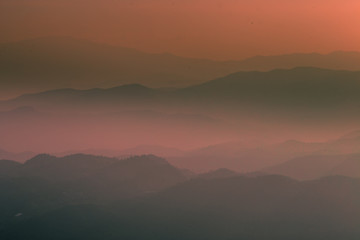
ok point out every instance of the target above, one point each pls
(62, 62)
(91, 196)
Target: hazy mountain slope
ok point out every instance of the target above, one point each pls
(336, 157)
(310, 90)
(346, 144)
(335, 60)
(219, 173)
(298, 87)
(125, 95)
(151, 149)
(297, 159)
(300, 101)
(57, 131)
(62, 62)
(350, 167)
(308, 167)
(243, 158)
(139, 150)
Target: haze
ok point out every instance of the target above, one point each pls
(216, 29)
(180, 119)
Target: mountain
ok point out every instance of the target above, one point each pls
(311, 160)
(131, 93)
(309, 88)
(350, 167)
(20, 157)
(126, 132)
(157, 150)
(132, 177)
(339, 60)
(62, 62)
(45, 183)
(335, 157)
(309, 167)
(219, 173)
(99, 177)
(243, 157)
(66, 168)
(351, 135)
(297, 159)
(226, 208)
(299, 103)
(24, 197)
(9, 168)
(348, 143)
(151, 149)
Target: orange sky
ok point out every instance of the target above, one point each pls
(218, 29)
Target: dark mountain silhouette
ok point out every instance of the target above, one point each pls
(132, 177)
(65, 168)
(295, 89)
(46, 182)
(9, 168)
(20, 157)
(98, 174)
(227, 208)
(24, 197)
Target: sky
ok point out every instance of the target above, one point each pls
(216, 29)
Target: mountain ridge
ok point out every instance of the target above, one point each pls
(38, 65)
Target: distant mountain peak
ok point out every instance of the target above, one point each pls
(40, 159)
(146, 159)
(351, 135)
(131, 87)
(219, 173)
